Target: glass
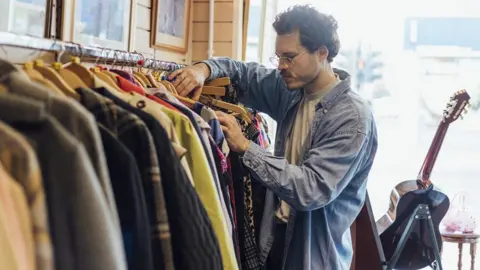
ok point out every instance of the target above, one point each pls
(283, 60)
(459, 218)
(102, 23)
(24, 17)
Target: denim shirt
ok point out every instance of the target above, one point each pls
(327, 191)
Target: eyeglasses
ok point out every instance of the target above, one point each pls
(283, 60)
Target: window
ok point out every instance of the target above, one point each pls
(24, 17)
(102, 23)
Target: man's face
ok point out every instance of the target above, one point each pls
(297, 65)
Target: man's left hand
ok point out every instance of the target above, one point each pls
(233, 133)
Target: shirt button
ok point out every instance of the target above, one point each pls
(141, 104)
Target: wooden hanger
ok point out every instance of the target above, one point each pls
(82, 72)
(51, 75)
(152, 80)
(186, 101)
(69, 76)
(226, 106)
(169, 87)
(107, 79)
(213, 91)
(140, 81)
(110, 74)
(224, 81)
(143, 78)
(36, 76)
(73, 80)
(32, 73)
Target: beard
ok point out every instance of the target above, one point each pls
(294, 83)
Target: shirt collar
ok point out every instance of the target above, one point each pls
(344, 85)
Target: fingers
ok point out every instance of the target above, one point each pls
(225, 119)
(197, 91)
(221, 117)
(182, 87)
(178, 79)
(172, 75)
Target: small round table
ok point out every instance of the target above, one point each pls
(460, 239)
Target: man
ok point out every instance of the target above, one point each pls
(325, 143)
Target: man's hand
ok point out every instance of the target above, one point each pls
(233, 133)
(190, 80)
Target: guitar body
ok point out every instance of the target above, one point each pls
(418, 252)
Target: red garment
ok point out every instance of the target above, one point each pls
(163, 102)
(128, 86)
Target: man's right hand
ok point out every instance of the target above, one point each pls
(189, 81)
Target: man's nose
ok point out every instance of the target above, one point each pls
(282, 66)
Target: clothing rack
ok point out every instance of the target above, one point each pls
(86, 52)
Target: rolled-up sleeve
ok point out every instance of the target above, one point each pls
(329, 167)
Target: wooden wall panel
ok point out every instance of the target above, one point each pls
(226, 21)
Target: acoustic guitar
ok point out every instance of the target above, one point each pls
(407, 195)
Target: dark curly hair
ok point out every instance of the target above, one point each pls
(316, 29)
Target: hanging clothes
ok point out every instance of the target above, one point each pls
(116, 176)
(19, 160)
(15, 226)
(201, 172)
(72, 189)
(134, 133)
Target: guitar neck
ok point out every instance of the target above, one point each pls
(432, 154)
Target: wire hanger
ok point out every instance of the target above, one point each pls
(130, 65)
(103, 76)
(110, 74)
(140, 74)
(150, 77)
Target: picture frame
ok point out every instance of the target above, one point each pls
(105, 23)
(170, 29)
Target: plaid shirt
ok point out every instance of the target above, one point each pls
(134, 134)
(20, 161)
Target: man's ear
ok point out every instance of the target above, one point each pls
(322, 53)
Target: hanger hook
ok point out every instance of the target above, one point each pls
(148, 67)
(81, 51)
(141, 60)
(99, 57)
(115, 54)
(106, 57)
(121, 58)
(62, 51)
(132, 60)
(4, 51)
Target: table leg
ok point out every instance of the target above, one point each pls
(460, 247)
(473, 251)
